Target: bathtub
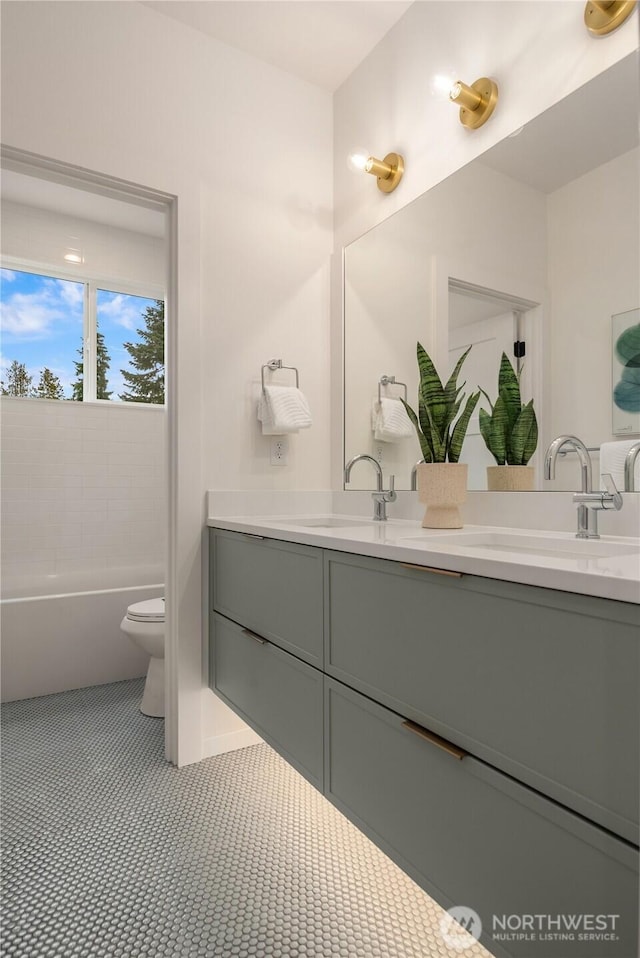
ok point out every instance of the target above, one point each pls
(62, 631)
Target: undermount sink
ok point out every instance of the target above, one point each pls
(330, 522)
(523, 544)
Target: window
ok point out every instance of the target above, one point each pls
(64, 339)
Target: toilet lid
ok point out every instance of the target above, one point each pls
(152, 610)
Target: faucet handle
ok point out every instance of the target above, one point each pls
(392, 483)
(614, 498)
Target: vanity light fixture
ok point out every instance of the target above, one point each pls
(477, 102)
(603, 16)
(388, 171)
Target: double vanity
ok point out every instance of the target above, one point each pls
(468, 699)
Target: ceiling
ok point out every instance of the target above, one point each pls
(321, 41)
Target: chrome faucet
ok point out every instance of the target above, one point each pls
(588, 501)
(380, 497)
(414, 475)
(629, 467)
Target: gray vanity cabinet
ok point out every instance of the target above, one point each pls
(530, 807)
(277, 694)
(469, 834)
(271, 586)
(541, 684)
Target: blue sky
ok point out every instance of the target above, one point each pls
(41, 323)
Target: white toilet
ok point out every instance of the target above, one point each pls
(144, 624)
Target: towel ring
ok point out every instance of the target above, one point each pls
(391, 381)
(274, 364)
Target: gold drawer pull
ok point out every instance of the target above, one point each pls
(256, 638)
(428, 568)
(436, 740)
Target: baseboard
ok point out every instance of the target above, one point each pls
(229, 742)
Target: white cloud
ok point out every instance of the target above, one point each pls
(70, 293)
(31, 315)
(122, 310)
(7, 275)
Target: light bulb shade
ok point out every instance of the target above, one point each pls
(441, 83)
(357, 160)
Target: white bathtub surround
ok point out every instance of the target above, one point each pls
(70, 638)
(83, 487)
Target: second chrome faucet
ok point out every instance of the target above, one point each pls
(589, 502)
(380, 496)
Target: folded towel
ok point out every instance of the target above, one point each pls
(389, 421)
(283, 409)
(612, 457)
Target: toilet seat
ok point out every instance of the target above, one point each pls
(152, 610)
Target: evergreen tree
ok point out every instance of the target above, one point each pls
(104, 361)
(147, 356)
(49, 386)
(19, 382)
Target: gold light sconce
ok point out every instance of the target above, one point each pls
(388, 172)
(604, 16)
(477, 102)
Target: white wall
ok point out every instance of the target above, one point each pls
(246, 149)
(538, 53)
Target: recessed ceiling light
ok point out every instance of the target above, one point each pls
(73, 257)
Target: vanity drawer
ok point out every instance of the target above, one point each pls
(539, 683)
(279, 696)
(470, 835)
(272, 587)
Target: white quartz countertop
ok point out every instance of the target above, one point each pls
(608, 567)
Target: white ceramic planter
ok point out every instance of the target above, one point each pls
(442, 486)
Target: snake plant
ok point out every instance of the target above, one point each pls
(511, 431)
(438, 405)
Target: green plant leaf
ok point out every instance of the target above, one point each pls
(486, 396)
(424, 444)
(509, 389)
(438, 444)
(452, 391)
(460, 428)
(432, 392)
(499, 430)
(524, 436)
(485, 428)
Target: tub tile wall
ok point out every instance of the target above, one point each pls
(82, 485)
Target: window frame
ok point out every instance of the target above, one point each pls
(92, 283)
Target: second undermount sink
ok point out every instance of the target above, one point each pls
(526, 544)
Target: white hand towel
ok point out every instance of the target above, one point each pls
(612, 457)
(389, 421)
(283, 409)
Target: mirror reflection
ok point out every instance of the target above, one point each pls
(531, 250)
